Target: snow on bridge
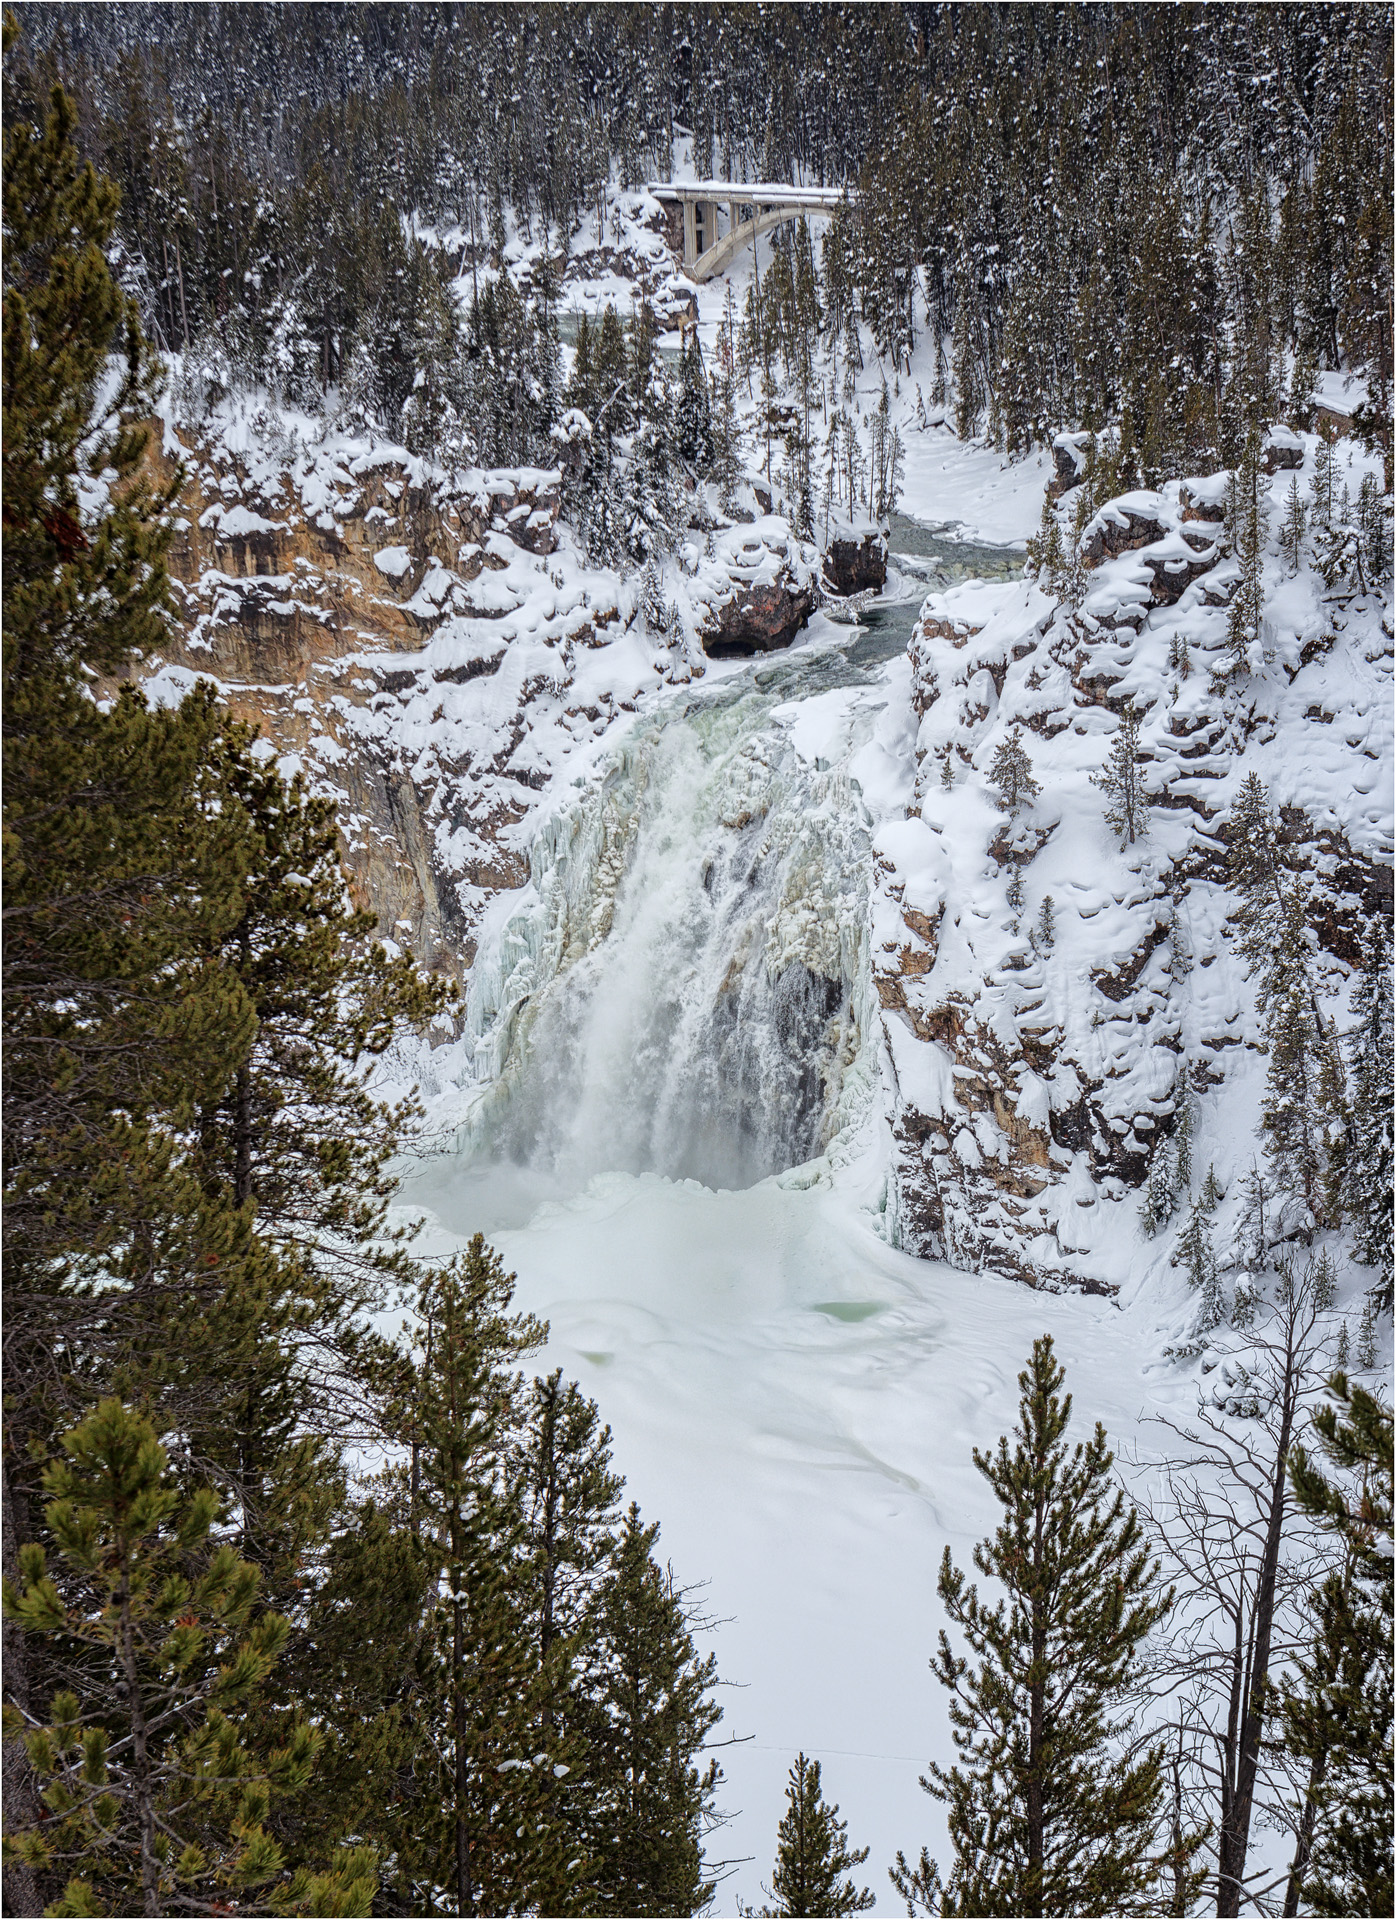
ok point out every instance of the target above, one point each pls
(750, 209)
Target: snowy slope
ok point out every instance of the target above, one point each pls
(686, 887)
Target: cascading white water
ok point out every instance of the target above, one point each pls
(684, 988)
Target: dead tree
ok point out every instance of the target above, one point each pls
(1243, 1560)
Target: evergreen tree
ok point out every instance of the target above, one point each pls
(1160, 1191)
(1360, 1173)
(581, 385)
(1324, 485)
(295, 1135)
(1246, 517)
(812, 1853)
(1045, 932)
(1337, 1710)
(1340, 550)
(561, 1462)
(1010, 771)
(120, 852)
(693, 412)
(1046, 1815)
(1293, 1117)
(648, 1723)
(1366, 1353)
(1196, 1253)
(1374, 529)
(363, 1664)
(499, 1844)
(1119, 780)
(153, 1794)
(1292, 527)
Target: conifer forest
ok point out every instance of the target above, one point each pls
(697, 968)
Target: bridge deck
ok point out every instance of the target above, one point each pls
(767, 203)
(750, 193)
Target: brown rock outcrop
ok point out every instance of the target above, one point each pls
(856, 565)
(760, 618)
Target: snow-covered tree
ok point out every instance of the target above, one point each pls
(1362, 1183)
(1120, 781)
(1292, 527)
(1010, 771)
(1246, 513)
(1200, 1262)
(1294, 1117)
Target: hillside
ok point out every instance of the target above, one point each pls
(805, 833)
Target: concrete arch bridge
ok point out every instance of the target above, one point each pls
(748, 209)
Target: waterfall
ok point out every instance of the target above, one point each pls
(683, 987)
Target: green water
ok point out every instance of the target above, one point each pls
(944, 558)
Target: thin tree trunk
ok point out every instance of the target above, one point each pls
(464, 1893)
(140, 1758)
(1236, 1833)
(1304, 1845)
(183, 311)
(242, 1136)
(21, 1891)
(1037, 1689)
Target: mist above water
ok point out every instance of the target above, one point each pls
(684, 990)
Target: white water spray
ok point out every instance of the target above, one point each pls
(684, 987)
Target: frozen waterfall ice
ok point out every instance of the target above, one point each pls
(683, 988)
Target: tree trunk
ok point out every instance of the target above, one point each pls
(1237, 1830)
(242, 1136)
(1304, 1844)
(465, 1900)
(22, 1805)
(1037, 1690)
(140, 1758)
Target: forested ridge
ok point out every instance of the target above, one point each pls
(320, 1597)
(1103, 212)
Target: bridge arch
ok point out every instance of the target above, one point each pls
(771, 204)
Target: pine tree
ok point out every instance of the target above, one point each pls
(1337, 1710)
(812, 1853)
(1366, 1353)
(1374, 529)
(1195, 1252)
(1010, 771)
(648, 1722)
(1246, 516)
(1254, 870)
(295, 1135)
(120, 854)
(1340, 550)
(153, 1794)
(1046, 1815)
(1324, 485)
(498, 1842)
(1182, 1148)
(560, 1459)
(1160, 1191)
(693, 413)
(1292, 527)
(1293, 1120)
(364, 1665)
(1045, 932)
(1120, 781)
(1046, 554)
(581, 386)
